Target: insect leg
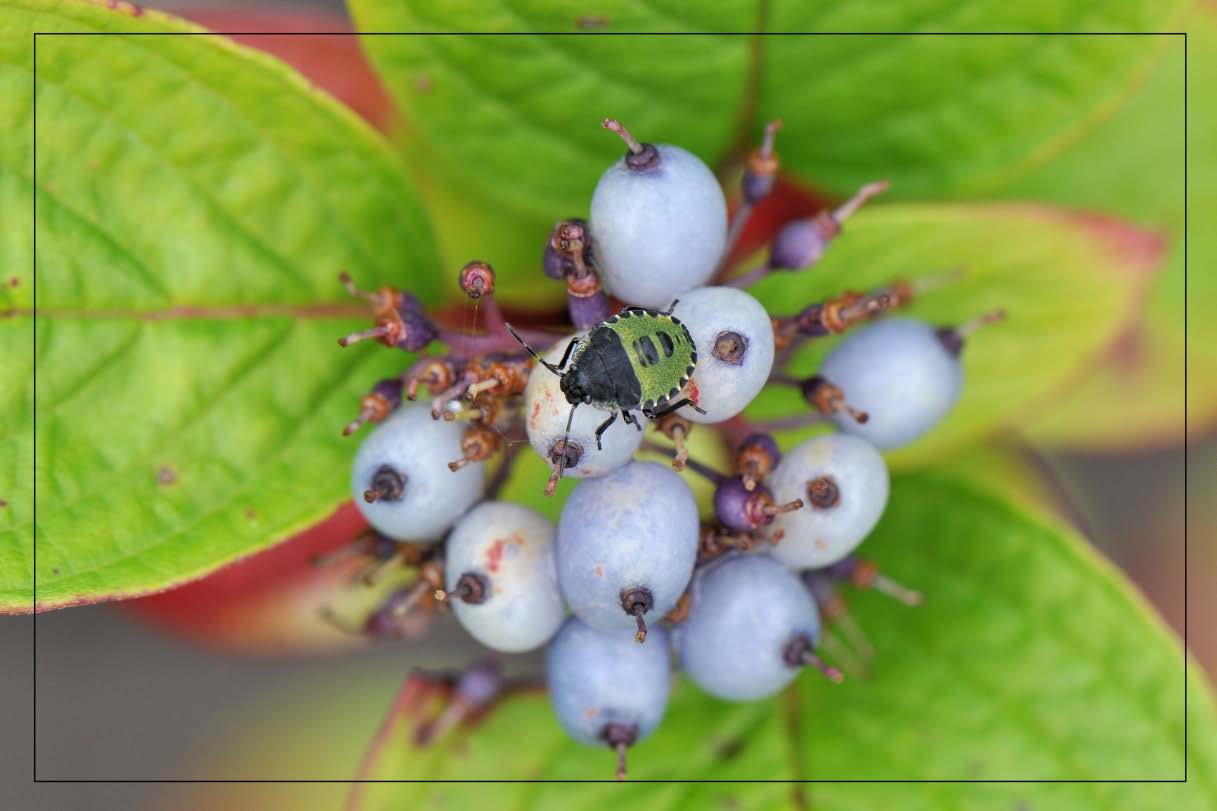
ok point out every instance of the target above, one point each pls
(630, 419)
(669, 409)
(604, 426)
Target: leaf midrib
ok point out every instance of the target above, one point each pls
(327, 310)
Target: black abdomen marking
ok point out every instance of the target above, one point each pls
(645, 351)
(665, 342)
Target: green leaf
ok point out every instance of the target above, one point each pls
(1066, 281)
(1031, 659)
(509, 124)
(1136, 397)
(195, 201)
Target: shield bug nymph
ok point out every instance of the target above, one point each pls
(637, 360)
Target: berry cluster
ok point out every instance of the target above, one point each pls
(632, 574)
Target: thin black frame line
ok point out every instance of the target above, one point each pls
(593, 33)
(34, 359)
(612, 781)
(1186, 439)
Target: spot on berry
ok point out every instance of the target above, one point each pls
(494, 555)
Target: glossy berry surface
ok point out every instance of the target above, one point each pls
(745, 610)
(901, 374)
(843, 482)
(597, 678)
(734, 338)
(636, 528)
(658, 232)
(510, 548)
(404, 464)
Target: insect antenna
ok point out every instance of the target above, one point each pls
(532, 351)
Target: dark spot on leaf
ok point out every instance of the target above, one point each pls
(586, 21)
(55, 571)
(728, 802)
(14, 281)
(251, 513)
(423, 83)
(166, 476)
(3, 504)
(730, 748)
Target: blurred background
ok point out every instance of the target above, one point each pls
(119, 698)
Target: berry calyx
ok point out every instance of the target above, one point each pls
(800, 652)
(745, 510)
(620, 737)
(676, 428)
(828, 399)
(801, 243)
(865, 574)
(637, 602)
(398, 318)
(477, 445)
(563, 454)
(477, 279)
(470, 588)
(388, 484)
(823, 493)
(377, 404)
(641, 157)
(756, 456)
(729, 347)
(952, 338)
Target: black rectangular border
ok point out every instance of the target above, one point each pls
(231, 33)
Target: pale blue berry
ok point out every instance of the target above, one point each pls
(401, 481)
(733, 334)
(843, 483)
(500, 576)
(901, 373)
(752, 625)
(626, 546)
(605, 689)
(658, 223)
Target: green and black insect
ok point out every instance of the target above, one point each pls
(637, 360)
